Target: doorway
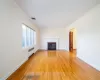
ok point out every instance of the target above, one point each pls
(72, 40)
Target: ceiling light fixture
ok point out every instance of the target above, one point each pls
(33, 18)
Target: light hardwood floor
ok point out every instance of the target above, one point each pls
(55, 65)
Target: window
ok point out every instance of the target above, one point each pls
(28, 36)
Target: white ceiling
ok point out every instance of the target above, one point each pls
(56, 13)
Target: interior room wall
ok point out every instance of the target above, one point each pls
(88, 37)
(59, 33)
(12, 55)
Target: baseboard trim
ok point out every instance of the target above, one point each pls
(33, 54)
(6, 76)
(56, 50)
(10, 73)
(85, 62)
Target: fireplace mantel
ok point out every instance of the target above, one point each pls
(46, 40)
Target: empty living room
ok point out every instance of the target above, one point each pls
(49, 39)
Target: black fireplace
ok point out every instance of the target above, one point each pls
(51, 45)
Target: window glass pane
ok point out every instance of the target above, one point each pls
(31, 37)
(34, 38)
(28, 36)
(23, 36)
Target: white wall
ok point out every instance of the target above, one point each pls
(11, 53)
(88, 37)
(58, 33)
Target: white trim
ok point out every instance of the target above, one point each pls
(6, 76)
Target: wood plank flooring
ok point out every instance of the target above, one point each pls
(55, 65)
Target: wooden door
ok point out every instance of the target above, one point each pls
(70, 41)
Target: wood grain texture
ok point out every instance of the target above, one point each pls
(55, 65)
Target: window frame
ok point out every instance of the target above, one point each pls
(34, 38)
